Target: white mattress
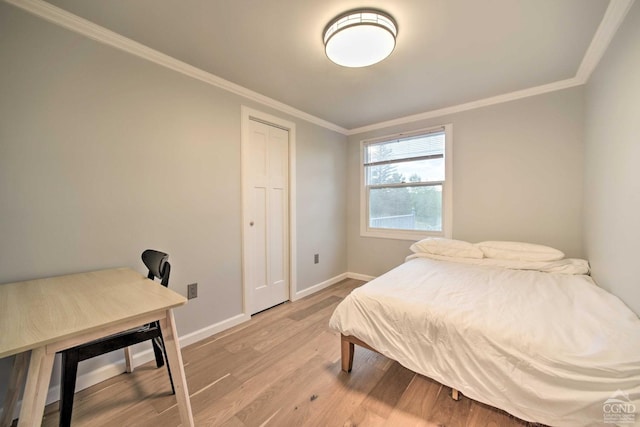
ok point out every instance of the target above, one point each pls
(545, 347)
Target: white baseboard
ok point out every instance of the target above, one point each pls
(358, 276)
(116, 368)
(320, 286)
(207, 331)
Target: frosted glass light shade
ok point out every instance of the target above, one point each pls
(360, 38)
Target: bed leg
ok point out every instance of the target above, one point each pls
(348, 349)
(454, 394)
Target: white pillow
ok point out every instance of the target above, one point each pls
(447, 247)
(519, 251)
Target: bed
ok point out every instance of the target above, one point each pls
(530, 334)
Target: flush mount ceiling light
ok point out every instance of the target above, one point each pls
(360, 38)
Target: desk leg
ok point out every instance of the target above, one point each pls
(16, 380)
(170, 335)
(35, 392)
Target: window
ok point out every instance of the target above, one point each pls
(406, 185)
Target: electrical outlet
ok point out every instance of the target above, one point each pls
(316, 258)
(192, 291)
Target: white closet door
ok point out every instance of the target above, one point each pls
(266, 233)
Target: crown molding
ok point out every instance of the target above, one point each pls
(511, 96)
(93, 31)
(613, 17)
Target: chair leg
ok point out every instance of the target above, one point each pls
(157, 351)
(160, 342)
(128, 360)
(70, 361)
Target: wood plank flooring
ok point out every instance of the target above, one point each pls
(282, 368)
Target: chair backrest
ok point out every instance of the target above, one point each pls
(158, 265)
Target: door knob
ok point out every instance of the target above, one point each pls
(251, 224)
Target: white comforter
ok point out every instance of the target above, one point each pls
(549, 348)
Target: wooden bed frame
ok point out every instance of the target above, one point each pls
(347, 346)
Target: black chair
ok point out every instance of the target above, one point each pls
(159, 268)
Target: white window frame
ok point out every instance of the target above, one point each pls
(447, 190)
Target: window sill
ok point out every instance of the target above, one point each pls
(401, 234)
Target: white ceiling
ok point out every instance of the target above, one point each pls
(449, 52)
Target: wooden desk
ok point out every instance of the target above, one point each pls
(49, 315)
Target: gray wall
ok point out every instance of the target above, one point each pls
(612, 165)
(103, 154)
(517, 176)
(322, 205)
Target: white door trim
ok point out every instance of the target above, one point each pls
(246, 115)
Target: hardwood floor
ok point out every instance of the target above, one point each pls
(282, 368)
